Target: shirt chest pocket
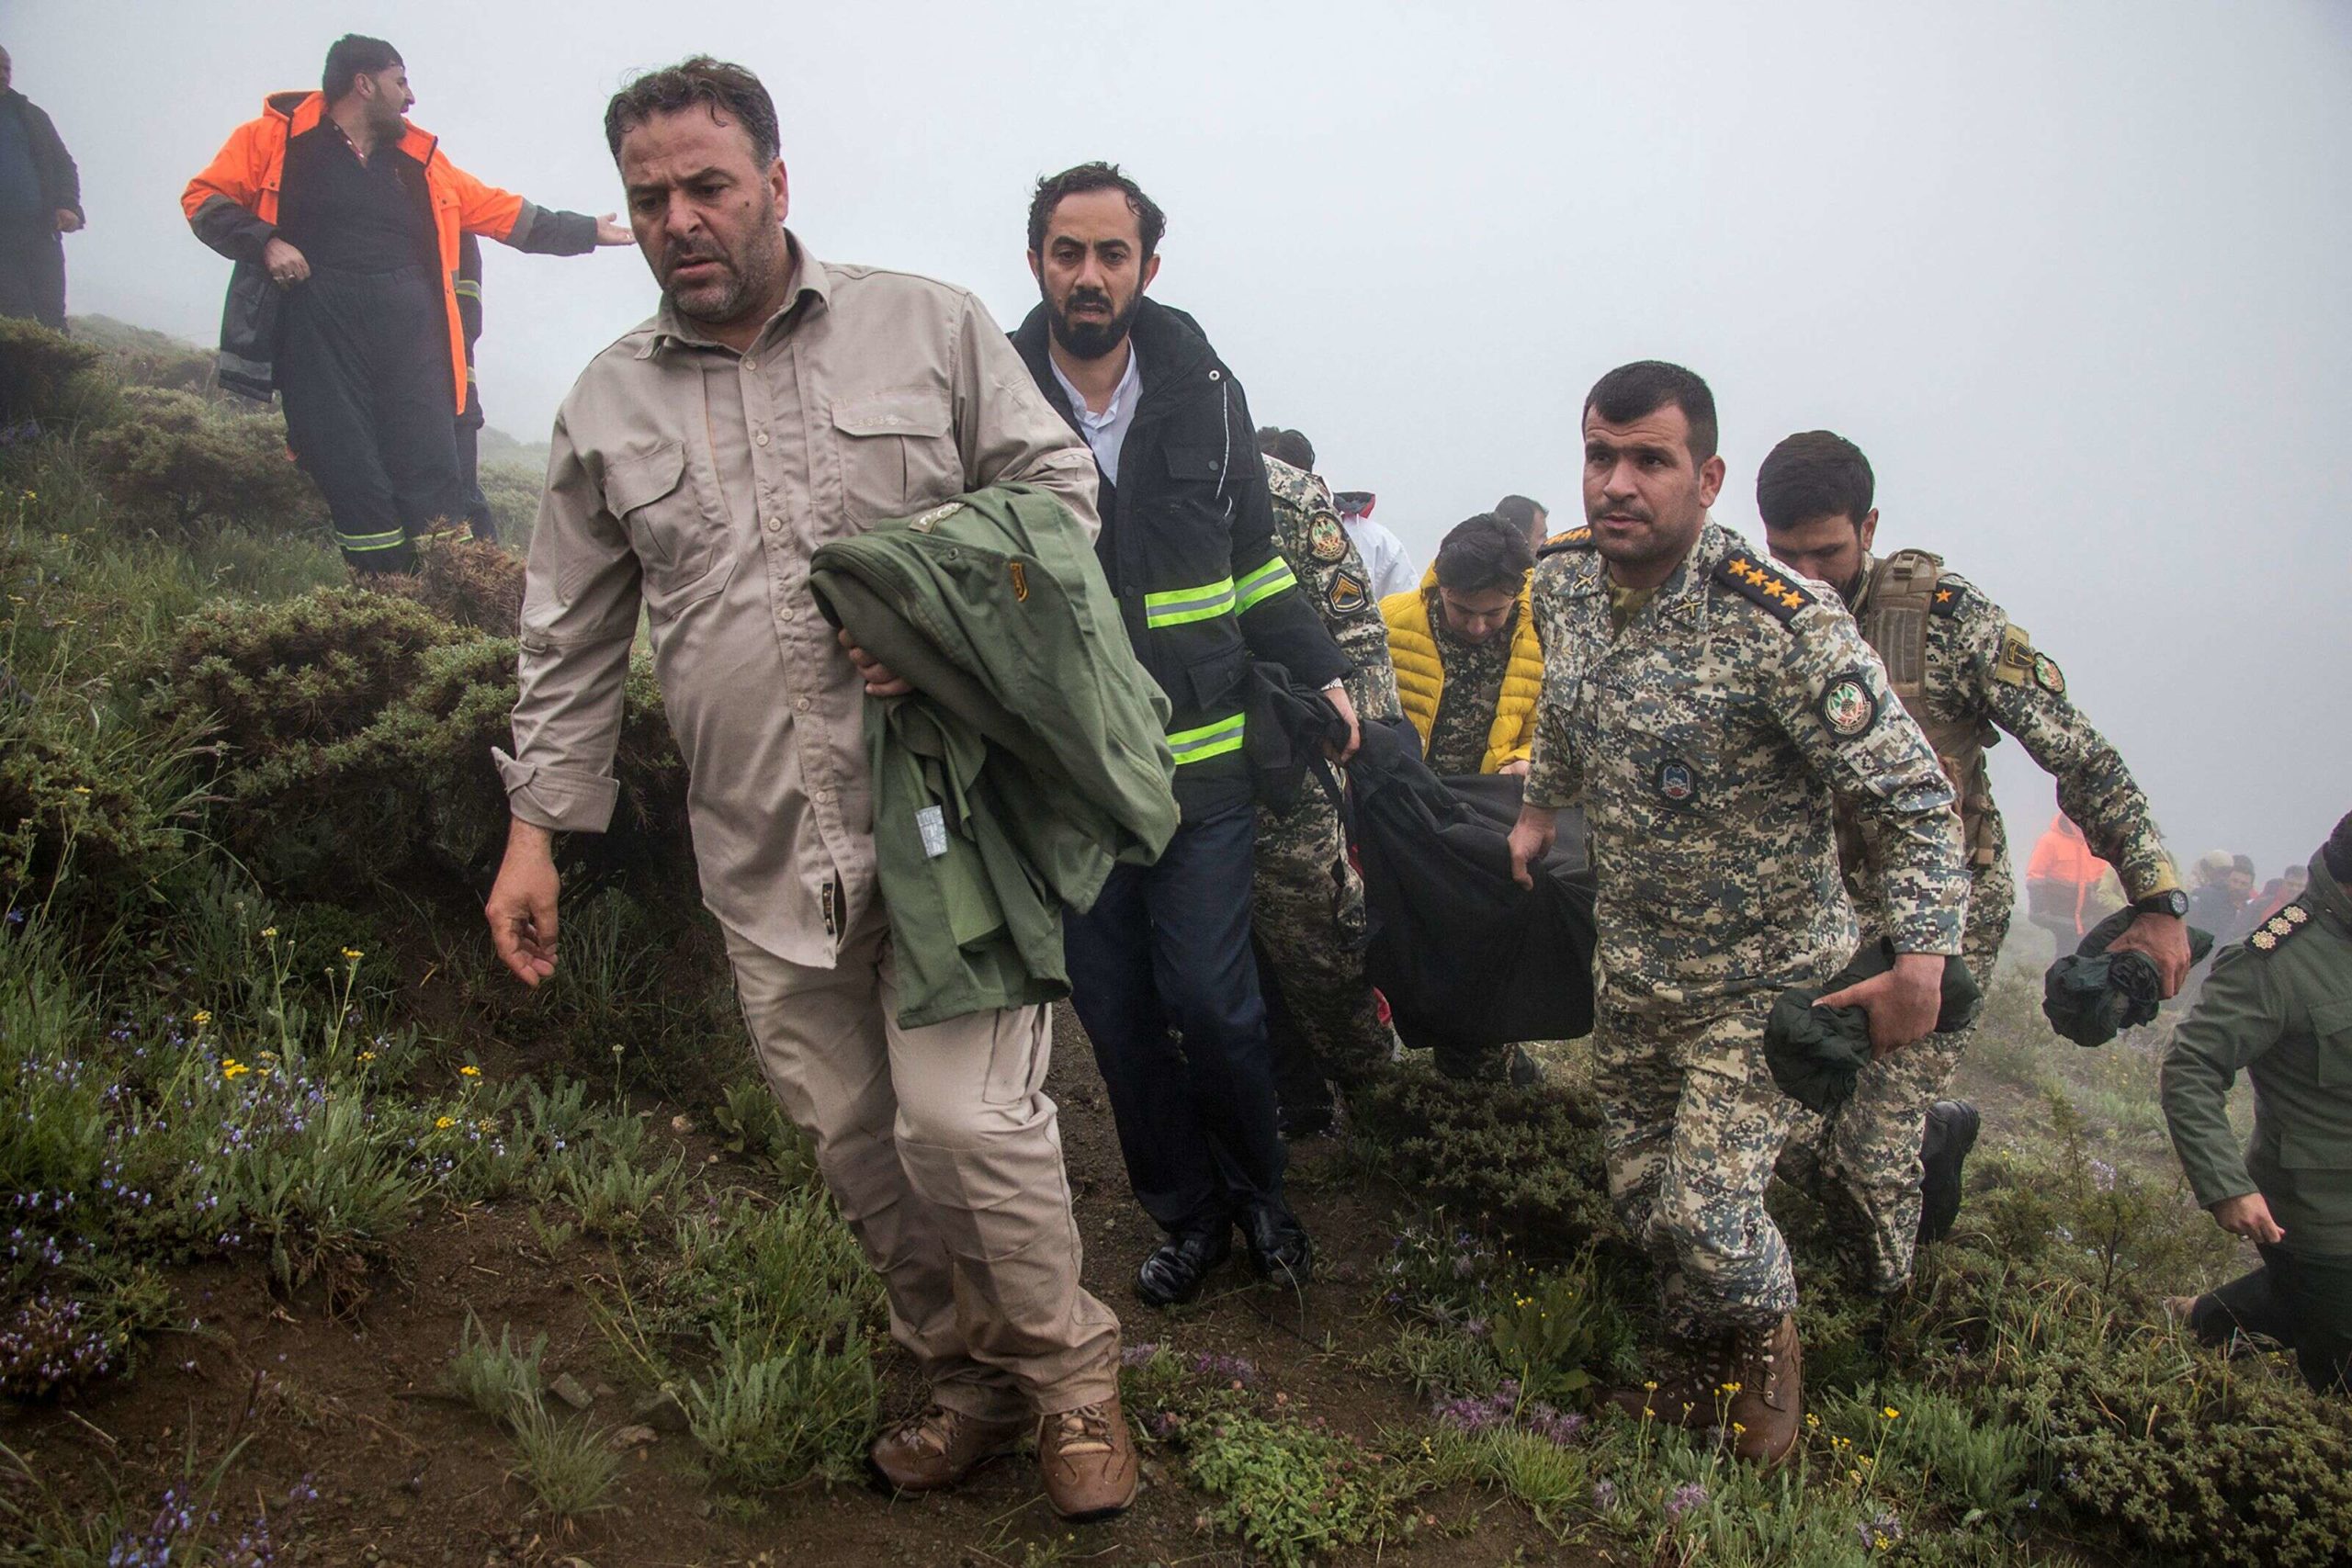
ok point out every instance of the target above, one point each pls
(897, 450)
(2332, 1038)
(1670, 751)
(679, 537)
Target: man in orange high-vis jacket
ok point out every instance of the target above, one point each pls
(2062, 883)
(343, 220)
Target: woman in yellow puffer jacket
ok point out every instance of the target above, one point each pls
(1474, 595)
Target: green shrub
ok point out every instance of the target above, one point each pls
(1288, 1489)
(138, 356)
(567, 1465)
(48, 378)
(177, 465)
(773, 1419)
(1529, 1161)
(500, 1379)
(765, 1275)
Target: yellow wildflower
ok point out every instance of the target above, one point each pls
(1889, 1413)
(232, 1068)
(445, 1122)
(366, 1055)
(1812, 1420)
(353, 955)
(269, 933)
(201, 1018)
(470, 1071)
(81, 789)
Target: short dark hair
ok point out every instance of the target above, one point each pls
(1290, 446)
(2337, 853)
(1483, 553)
(352, 56)
(1519, 511)
(1150, 222)
(729, 91)
(1631, 392)
(1814, 474)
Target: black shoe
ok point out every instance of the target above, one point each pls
(1180, 1266)
(1279, 1247)
(1952, 1126)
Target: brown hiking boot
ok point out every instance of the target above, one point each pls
(1767, 1392)
(1088, 1460)
(940, 1448)
(1688, 1392)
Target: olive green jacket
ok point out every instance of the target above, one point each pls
(2279, 1005)
(1032, 755)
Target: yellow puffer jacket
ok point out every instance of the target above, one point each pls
(1420, 672)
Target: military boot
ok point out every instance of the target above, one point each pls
(1951, 1130)
(1686, 1390)
(1767, 1392)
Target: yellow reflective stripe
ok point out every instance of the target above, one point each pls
(1209, 740)
(1263, 584)
(468, 289)
(364, 542)
(1181, 606)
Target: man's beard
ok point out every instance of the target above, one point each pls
(722, 300)
(1089, 339)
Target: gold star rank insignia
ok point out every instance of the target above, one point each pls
(1759, 584)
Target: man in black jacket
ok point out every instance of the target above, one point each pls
(40, 202)
(1160, 969)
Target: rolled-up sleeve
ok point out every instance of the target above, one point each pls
(1005, 430)
(580, 605)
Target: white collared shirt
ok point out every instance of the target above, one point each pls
(1107, 432)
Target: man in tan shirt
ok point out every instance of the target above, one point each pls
(774, 402)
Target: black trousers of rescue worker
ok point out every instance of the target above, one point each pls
(32, 273)
(1163, 977)
(2301, 1300)
(363, 363)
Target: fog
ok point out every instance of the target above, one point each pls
(2075, 276)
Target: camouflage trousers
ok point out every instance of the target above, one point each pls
(1692, 1121)
(1306, 912)
(1861, 1164)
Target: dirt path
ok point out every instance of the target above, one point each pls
(406, 1476)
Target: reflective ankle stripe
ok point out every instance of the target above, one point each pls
(1263, 584)
(1209, 740)
(1181, 606)
(362, 543)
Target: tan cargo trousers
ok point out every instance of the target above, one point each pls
(940, 1145)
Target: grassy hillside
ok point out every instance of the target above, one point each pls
(327, 1243)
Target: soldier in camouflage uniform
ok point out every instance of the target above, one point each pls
(1306, 903)
(1966, 672)
(1712, 713)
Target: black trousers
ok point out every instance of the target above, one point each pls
(1163, 977)
(363, 363)
(2302, 1300)
(469, 425)
(32, 274)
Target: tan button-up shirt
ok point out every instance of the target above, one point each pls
(699, 482)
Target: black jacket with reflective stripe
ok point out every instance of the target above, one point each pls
(1188, 546)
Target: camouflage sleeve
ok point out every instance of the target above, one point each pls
(1331, 574)
(1556, 774)
(2022, 690)
(1835, 707)
(2238, 1017)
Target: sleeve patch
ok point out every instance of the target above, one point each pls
(1950, 598)
(1849, 708)
(2014, 665)
(1782, 596)
(1349, 595)
(1326, 540)
(1574, 539)
(2048, 676)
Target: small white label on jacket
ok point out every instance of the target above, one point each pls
(933, 823)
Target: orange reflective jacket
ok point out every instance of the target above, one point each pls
(232, 206)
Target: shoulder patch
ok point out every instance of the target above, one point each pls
(2014, 665)
(1573, 539)
(1847, 707)
(2274, 932)
(1950, 598)
(1780, 595)
(1326, 540)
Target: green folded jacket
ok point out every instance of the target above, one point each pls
(1816, 1053)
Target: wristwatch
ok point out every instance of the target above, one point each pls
(2171, 901)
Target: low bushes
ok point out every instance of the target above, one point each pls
(177, 465)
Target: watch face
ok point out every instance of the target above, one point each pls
(2171, 902)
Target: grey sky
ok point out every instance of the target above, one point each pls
(2074, 275)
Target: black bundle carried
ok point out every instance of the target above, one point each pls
(2092, 995)
(1816, 1053)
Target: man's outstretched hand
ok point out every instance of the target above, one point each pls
(1902, 1004)
(521, 910)
(611, 230)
